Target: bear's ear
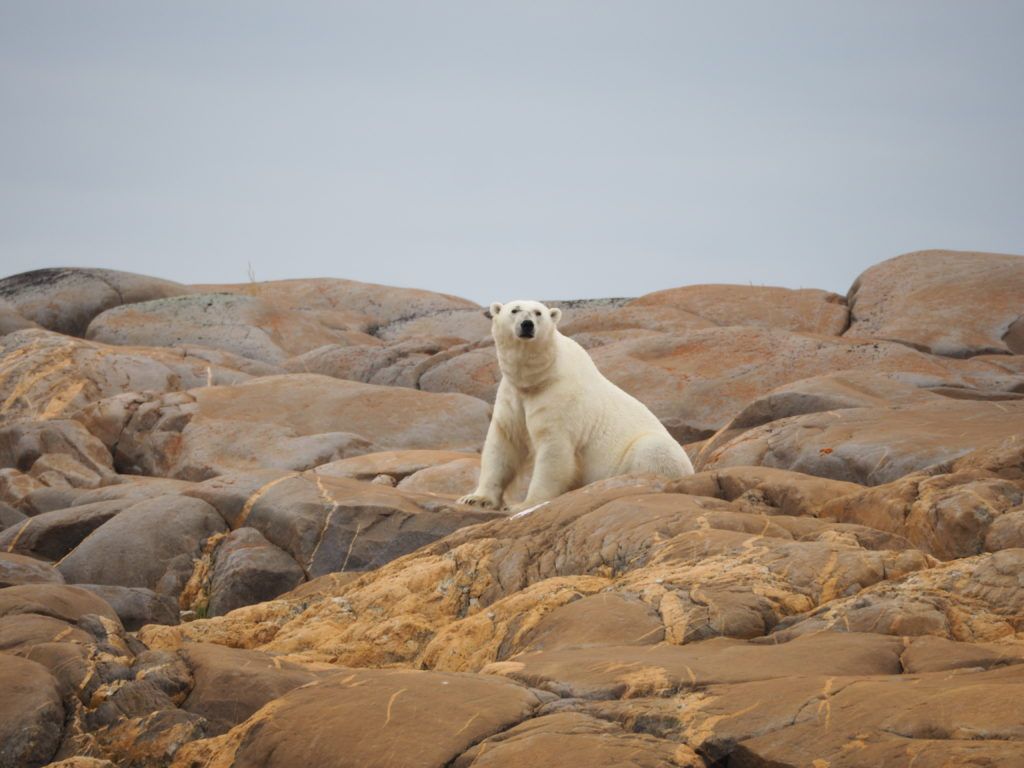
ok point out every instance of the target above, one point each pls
(556, 315)
(492, 310)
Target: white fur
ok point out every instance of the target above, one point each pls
(555, 406)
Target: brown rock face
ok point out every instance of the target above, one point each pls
(242, 325)
(272, 422)
(31, 713)
(230, 537)
(374, 305)
(807, 310)
(45, 376)
(422, 719)
(696, 382)
(874, 445)
(950, 303)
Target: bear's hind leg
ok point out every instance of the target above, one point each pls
(659, 455)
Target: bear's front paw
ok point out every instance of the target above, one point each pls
(476, 500)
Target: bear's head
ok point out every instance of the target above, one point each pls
(523, 321)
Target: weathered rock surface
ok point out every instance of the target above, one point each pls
(18, 569)
(421, 719)
(31, 714)
(696, 382)
(249, 569)
(155, 541)
(66, 300)
(807, 310)
(872, 446)
(136, 606)
(329, 524)
(52, 535)
(575, 740)
(242, 325)
(351, 301)
(230, 684)
(945, 302)
(956, 510)
(45, 375)
(270, 422)
(255, 513)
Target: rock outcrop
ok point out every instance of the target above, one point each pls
(229, 530)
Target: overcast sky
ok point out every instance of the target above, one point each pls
(509, 149)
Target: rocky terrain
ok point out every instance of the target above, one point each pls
(229, 535)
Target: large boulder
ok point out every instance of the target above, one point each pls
(400, 364)
(230, 684)
(53, 534)
(696, 382)
(953, 303)
(575, 740)
(859, 389)
(328, 523)
(705, 567)
(24, 443)
(968, 506)
(808, 309)
(422, 720)
(62, 602)
(872, 446)
(67, 299)
(45, 375)
(249, 569)
(243, 325)
(290, 422)
(31, 714)
(136, 606)
(350, 301)
(932, 720)
(18, 569)
(150, 544)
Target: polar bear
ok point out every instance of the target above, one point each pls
(555, 406)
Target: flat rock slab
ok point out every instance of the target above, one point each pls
(31, 713)
(933, 720)
(807, 309)
(243, 325)
(698, 381)
(872, 446)
(230, 684)
(295, 421)
(383, 718)
(376, 305)
(661, 670)
(574, 740)
(953, 303)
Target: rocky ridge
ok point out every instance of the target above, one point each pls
(229, 532)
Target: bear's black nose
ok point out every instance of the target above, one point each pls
(527, 325)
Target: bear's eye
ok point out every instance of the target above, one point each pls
(536, 312)
(515, 310)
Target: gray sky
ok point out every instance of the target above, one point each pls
(512, 149)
